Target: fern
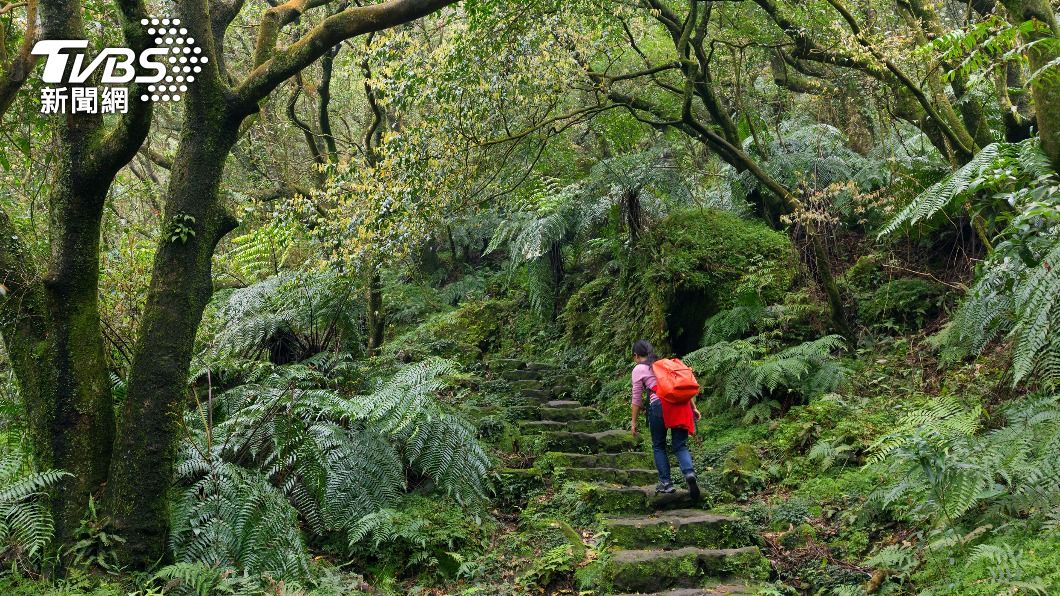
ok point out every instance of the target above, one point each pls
(287, 450)
(967, 179)
(743, 373)
(26, 525)
(196, 578)
(261, 252)
(287, 318)
(947, 469)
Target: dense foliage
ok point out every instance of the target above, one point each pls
(302, 331)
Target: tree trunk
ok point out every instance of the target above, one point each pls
(181, 285)
(1045, 86)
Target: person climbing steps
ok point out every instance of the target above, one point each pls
(680, 419)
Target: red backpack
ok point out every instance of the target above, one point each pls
(677, 383)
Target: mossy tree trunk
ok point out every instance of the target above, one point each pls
(1044, 57)
(50, 320)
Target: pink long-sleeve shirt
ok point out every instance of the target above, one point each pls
(643, 378)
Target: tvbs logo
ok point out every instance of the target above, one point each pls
(166, 69)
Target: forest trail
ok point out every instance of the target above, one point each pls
(655, 543)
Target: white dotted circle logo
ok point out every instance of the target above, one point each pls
(183, 62)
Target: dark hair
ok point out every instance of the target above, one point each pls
(643, 349)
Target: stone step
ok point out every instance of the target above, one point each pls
(520, 375)
(611, 441)
(539, 396)
(524, 413)
(631, 459)
(530, 427)
(728, 588)
(688, 567)
(503, 364)
(674, 529)
(563, 414)
(630, 477)
(562, 403)
(527, 385)
(616, 499)
(592, 425)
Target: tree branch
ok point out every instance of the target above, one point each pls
(15, 73)
(122, 143)
(276, 66)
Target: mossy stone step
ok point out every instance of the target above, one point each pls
(673, 529)
(633, 476)
(527, 385)
(538, 395)
(520, 375)
(562, 403)
(562, 414)
(628, 460)
(615, 499)
(688, 567)
(591, 425)
(503, 364)
(524, 412)
(728, 588)
(611, 441)
(542, 366)
(529, 427)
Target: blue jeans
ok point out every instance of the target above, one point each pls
(658, 444)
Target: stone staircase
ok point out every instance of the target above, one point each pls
(660, 544)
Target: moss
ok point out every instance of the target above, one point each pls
(689, 265)
(902, 304)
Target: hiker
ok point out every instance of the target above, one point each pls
(644, 381)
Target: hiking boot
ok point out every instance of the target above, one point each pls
(665, 488)
(693, 486)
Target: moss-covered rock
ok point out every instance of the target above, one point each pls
(634, 476)
(681, 527)
(655, 570)
(612, 441)
(632, 459)
(577, 413)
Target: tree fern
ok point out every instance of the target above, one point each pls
(287, 318)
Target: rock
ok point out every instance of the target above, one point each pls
(538, 395)
(527, 385)
(524, 413)
(654, 570)
(613, 499)
(611, 441)
(590, 425)
(541, 366)
(563, 403)
(556, 459)
(635, 476)
(677, 528)
(575, 413)
(715, 589)
(529, 427)
(503, 364)
(799, 536)
(519, 375)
